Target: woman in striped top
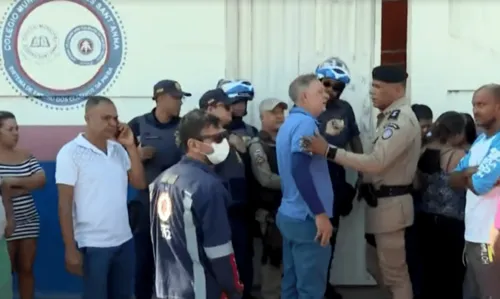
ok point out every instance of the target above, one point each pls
(21, 174)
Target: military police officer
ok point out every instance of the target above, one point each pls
(155, 135)
(262, 150)
(392, 165)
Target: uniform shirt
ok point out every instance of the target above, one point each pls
(191, 235)
(392, 162)
(232, 173)
(480, 209)
(339, 115)
(299, 124)
(100, 181)
(260, 164)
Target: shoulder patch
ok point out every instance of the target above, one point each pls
(387, 133)
(394, 115)
(259, 157)
(392, 125)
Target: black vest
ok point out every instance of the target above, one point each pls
(270, 199)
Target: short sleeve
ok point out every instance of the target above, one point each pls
(306, 127)
(351, 121)
(34, 166)
(66, 168)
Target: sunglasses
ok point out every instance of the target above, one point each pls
(217, 138)
(334, 86)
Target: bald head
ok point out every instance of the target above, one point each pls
(492, 88)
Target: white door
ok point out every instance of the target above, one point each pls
(453, 48)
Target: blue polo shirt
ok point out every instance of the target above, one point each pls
(298, 124)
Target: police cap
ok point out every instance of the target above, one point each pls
(389, 74)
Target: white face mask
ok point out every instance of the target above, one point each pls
(220, 153)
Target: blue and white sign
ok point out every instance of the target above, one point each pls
(58, 53)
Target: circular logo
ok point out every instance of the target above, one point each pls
(39, 43)
(85, 45)
(94, 44)
(164, 206)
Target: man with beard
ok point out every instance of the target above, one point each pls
(155, 136)
(392, 165)
(338, 125)
(479, 172)
(262, 151)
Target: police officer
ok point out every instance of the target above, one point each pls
(262, 150)
(190, 229)
(155, 135)
(232, 171)
(392, 166)
(338, 125)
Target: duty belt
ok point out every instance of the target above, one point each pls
(390, 191)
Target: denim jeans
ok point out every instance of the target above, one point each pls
(108, 273)
(305, 261)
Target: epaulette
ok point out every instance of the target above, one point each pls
(394, 115)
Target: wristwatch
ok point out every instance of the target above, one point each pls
(331, 152)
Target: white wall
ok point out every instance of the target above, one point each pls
(271, 42)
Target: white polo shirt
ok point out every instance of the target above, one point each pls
(100, 216)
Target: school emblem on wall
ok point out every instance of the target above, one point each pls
(57, 53)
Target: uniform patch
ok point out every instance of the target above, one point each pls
(164, 207)
(334, 126)
(387, 133)
(394, 115)
(259, 157)
(392, 125)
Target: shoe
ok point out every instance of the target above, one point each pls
(331, 293)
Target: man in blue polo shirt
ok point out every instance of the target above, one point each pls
(307, 205)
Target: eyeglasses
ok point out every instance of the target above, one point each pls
(217, 138)
(334, 86)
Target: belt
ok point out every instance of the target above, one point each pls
(390, 191)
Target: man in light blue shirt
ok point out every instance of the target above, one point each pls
(307, 204)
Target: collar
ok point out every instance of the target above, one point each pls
(80, 140)
(196, 163)
(299, 110)
(151, 118)
(395, 105)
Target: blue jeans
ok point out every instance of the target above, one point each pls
(108, 273)
(305, 261)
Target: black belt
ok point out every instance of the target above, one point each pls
(390, 191)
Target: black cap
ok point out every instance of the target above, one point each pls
(170, 87)
(214, 96)
(389, 74)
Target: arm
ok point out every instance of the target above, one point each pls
(488, 173)
(301, 165)
(66, 177)
(459, 177)
(7, 201)
(135, 169)
(396, 139)
(261, 169)
(35, 180)
(217, 239)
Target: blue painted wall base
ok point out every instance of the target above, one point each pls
(50, 274)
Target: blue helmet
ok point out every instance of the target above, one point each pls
(237, 90)
(333, 68)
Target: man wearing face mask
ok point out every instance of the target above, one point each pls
(338, 125)
(189, 224)
(262, 151)
(232, 171)
(155, 136)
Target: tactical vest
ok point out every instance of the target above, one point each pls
(270, 199)
(163, 140)
(232, 172)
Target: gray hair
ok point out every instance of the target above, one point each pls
(94, 101)
(492, 87)
(299, 84)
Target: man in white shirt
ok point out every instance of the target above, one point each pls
(479, 172)
(92, 175)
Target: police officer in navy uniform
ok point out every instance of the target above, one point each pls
(338, 125)
(233, 172)
(155, 135)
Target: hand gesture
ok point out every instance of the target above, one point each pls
(73, 261)
(125, 135)
(325, 229)
(238, 143)
(316, 144)
(146, 152)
